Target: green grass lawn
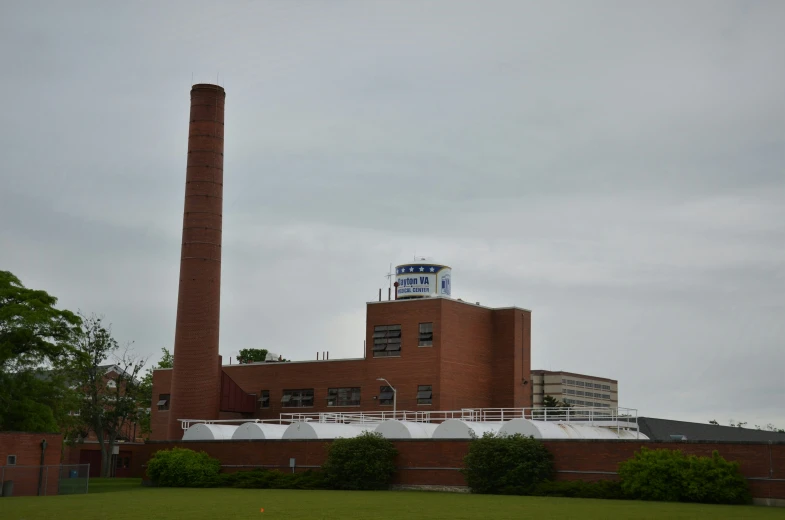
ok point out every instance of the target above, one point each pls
(120, 499)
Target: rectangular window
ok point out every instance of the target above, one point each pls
(387, 341)
(163, 402)
(426, 335)
(579, 383)
(343, 396)
(579, 392)
(386, 396)
(11, 460)
(297, 398)
(570, 391)
(570, 381)
(424, 394)
(606, 396)
(264, 399)
(564, 381)
(606, 387)
(597, 386)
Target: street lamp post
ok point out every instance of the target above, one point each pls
(395, 393)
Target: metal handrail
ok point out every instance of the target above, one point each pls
(619, 418)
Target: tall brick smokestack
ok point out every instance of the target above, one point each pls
(196, 377)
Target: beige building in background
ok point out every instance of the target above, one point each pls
(574, 389)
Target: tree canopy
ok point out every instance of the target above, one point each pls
(35, 339)
(252, 355)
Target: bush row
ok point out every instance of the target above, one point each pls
(522, 466)
(364, 462)
(506, 465)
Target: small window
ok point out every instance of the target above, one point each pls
(569, 391)
(343, 396)
(579, 392)
(426, 335)
(424, 394)
(11, 460)
(606, 387)
(386, 396)
(302, 398)
(570, 381)
(163, 402)
(597, 386)
(387, 341)
(579, 383)
(264, 400)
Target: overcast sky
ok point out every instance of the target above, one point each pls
(616, 167)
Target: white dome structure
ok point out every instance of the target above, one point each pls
(256, 430)
(395, 429)
(316, 430)
(209, 432)
(459, 429)
(564, 430)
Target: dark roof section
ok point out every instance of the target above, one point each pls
(574, 374)
(663, 429)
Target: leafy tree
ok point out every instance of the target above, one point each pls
(181, 467)
(146, 390)
(34, 337)
(363, 462)
(110, 402)
(670, 475)
(551, 402)
(252, 355)
(506, 465)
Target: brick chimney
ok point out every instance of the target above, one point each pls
(196, 378)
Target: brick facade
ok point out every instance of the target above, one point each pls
(26, 473)
(480, 357)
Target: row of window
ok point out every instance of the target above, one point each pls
(387, 339)
(586, 403)
(570, 391)
(349, 396)
(596, 386)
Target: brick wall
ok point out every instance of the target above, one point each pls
(27, 448)
(467, 378)
(428, 462)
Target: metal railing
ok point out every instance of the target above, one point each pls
(619, 418)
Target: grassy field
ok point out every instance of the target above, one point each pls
(121, 499)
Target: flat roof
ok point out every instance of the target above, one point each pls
(563, 373)
(445, 298)
(278, 363)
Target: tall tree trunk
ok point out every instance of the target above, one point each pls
(105, 452)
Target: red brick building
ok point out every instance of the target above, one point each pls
(438, 353)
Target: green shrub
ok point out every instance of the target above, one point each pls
(506, 465)
(363, 462)
(669, 475)
(604, 489)
(181, 467)
(714, 480)
(273, 479)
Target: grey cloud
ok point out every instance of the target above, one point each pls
(615, 167)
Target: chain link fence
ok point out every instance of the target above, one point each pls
(61, 479)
